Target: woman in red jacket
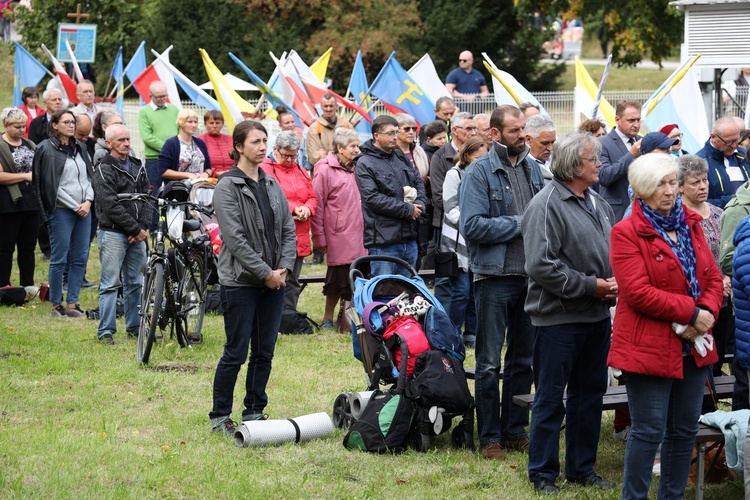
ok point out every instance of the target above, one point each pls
(298, 189)
(668, 283)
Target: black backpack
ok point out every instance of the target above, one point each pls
(297, 322)
(12, 296)
(439, 380)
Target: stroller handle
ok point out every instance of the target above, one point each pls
(354, 272)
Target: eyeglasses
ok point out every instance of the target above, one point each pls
(393, 133)
(159, 96)
(409, 129)
(593, 159)
(468, 129)
(733, 142)
(286, 156)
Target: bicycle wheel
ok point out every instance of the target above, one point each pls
(193, 298)
(152, 297)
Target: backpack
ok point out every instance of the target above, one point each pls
(442, 334)
(12, 296)
(384, 425)
(439, 380)
(412, 334)
(296, 322)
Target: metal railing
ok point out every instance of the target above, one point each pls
(559, 105)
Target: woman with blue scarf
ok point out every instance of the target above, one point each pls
(669, 283)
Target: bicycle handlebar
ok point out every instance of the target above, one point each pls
(162, 202)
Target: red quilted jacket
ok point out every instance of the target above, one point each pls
(653, 294)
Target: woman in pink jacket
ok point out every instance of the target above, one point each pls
(295, 181)
(337, 227)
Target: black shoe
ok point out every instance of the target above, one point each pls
(107, 339)
(594, 480)
(225, 425)
(545, 487)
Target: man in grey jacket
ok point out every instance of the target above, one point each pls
(570, 286)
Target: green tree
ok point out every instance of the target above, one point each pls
(639, 29)
(497, 27)
(118, 23)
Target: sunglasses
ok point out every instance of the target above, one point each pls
(409, 129)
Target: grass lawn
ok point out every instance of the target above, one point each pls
(79, 419)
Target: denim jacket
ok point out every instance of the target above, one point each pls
(485, 197)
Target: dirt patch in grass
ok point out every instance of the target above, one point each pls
(170, 367)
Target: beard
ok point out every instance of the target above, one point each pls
(513, 150)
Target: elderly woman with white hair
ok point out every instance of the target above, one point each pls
(18, 208)
(185, 156)
(297, 186)
(671, 292)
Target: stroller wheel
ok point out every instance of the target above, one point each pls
(461, 439)
(342, 411)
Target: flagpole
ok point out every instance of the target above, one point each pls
(601, 88)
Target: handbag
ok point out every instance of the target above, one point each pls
(446, 263)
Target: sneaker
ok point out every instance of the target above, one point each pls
(327, 325)
(521, 444)
(622, 435)
(75, 312)
(492, 451)
(58, 311)
(254, 416)
(225, 425)
(594, 480)
(107, 339)
(545, 487)
(87, 284)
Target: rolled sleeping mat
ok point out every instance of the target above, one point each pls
(359, 401)
(296, 430)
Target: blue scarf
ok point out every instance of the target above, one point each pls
(683, 247)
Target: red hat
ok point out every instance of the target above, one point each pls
(666, 129)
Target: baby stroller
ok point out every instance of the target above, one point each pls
(380, 353)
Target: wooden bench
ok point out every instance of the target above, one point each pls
(616, 397)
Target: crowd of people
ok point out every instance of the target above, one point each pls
(553, 236)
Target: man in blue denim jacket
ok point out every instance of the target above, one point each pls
(494, 193)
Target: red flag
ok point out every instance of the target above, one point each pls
(144, 81)
(316, 91)
(68, 84)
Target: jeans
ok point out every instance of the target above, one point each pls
(251, 320)
(117, 255)
(19, 232)
(404, 251)
(68, 232)
(572, 355)
(154, 178)
(462, 311)
(444, 293)
(499, 302)
(662, 410)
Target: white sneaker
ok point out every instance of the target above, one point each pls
(622, 435)
(31, 292)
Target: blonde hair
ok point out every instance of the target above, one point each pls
(12, 115)
(647, 171)
(184, 115)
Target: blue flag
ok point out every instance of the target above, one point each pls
(399, 91)
(137, 64)
(358, 89)
(117, 75)
(28, 73)
(274, 98)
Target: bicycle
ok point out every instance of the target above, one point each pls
(175, 279)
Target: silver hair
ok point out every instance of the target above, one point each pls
(287, 140)
(647, 171)
(405, 119)
(343, 136)
(12, 115)
(110, 133)
(47, 93)
(567, 154)
(690, 165)
(538, 124)
(458, 119)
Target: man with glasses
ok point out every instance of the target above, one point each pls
(619, 149)
(157, 122)
(393, 198)
(728, 168)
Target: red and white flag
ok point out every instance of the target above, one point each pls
(157, 71)
(67, 82)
